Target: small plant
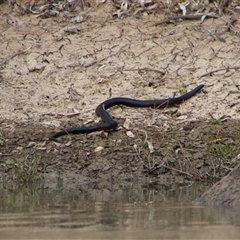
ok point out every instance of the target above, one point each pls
(143, 44)
(60, 180)
(154, 57)
(115, 77)
(65, 100)
(145, 152)
(181, 89)
(148, 98)
(208, 137)
(215, 121)
(25, 170)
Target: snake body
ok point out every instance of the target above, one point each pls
(109, 123)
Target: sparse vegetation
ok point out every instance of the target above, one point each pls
(181, 89)
(209, 163)
(134, 59)
(148, 98)
(115, 77)
(59, 180)
(25, 170)
(215, 121)
(66, 101)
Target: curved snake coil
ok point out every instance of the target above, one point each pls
(109, 123)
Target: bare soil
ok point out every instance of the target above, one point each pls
(54, 72)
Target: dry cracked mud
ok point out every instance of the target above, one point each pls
(54, 72)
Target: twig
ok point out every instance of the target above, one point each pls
(69, 115)
(180, 171)
(217, 36)
(145, 69)
(229, 25)
(230, 92)
(218, 70)
(226, 168)
(185, 17)
(214, 169)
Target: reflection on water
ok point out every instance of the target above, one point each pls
(113, 212)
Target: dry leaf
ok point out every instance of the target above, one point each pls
(98, 149)
(126, 124)
(130, 134)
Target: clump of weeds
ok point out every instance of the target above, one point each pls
(181, 89)
(25, 170)
(220, 148)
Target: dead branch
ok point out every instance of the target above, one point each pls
(185, 17)
(218, 70)
(145, 69)
(230, 25)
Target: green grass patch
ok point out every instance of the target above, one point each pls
(149, 98)
(215, 122)
(25, 170)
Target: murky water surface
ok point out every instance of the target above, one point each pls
(113, 212)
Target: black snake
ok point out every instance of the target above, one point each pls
(109, 123)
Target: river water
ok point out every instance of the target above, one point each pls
(113, 212)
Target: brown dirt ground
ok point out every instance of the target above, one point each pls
(55, 72)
